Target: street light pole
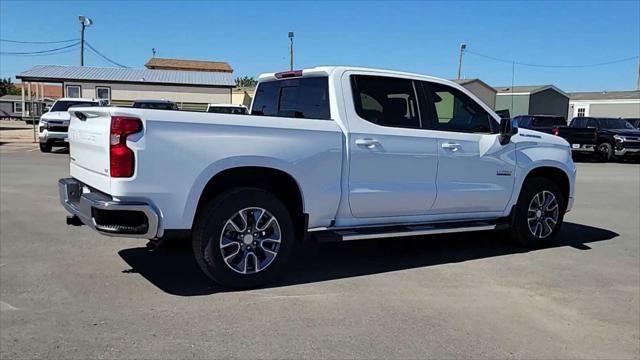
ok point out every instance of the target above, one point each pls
(638, 75)
(463, 46)
(84, 22)
(290, 50)
(82, 46)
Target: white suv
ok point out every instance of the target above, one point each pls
(53, 126)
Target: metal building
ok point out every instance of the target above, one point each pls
(625, 104)
(532, 100)
(191, 90)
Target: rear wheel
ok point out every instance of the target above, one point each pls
(45, 147)
(538, 214)
(605, 152)
(243, 238)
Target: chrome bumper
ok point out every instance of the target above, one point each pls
(626, 151)
(85, 204)
(47, 135)
(583, 148)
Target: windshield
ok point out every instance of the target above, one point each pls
(64, 105)
(614, 124)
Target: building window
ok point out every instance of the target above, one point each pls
(17, 107)
(103, 92)
(73, 91)
(581, 112)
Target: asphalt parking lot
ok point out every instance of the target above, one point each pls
(67, 292)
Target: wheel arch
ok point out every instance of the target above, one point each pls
(554, 174)
(276, 181)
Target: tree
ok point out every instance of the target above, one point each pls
(246, 81)
(8, 88)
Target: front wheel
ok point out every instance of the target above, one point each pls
(538, 214)
(243, 237)
(45, 147)
(605, 152)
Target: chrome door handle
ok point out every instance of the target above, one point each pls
(451, 146)
(368, 143)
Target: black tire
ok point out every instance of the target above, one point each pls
(521, 231)
(45, 147)
(604, 152)
(211, 223)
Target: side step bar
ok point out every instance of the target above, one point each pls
(364, 233)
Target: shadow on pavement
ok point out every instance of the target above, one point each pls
(175, 271)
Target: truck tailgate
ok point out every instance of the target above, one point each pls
(89, 132)
(578, 135)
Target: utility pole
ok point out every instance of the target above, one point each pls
(290, 50)
(463, 46)
(84, 22)
(638, 75)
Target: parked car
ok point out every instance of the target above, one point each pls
(543, 123)
(327, 154)
(53, 124)
(227, 109)
(635, 122)
(614, 137)
(155, 104)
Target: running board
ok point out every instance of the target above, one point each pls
(364, 233)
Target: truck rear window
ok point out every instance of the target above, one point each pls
(64, 105)
(549, 121)
(305, 98)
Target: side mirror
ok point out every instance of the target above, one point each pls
(508, 128)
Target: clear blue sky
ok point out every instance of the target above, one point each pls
(419, 37)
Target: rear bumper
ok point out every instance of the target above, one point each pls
(107, 216)
(587, 148)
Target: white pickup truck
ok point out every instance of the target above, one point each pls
(326, 154)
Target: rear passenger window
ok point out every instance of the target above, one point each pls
(386, 101)
(455, 111)
(306, 98)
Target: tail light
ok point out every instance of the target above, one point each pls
(121, 158)
(555, 131)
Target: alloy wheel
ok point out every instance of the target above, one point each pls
(250, 240)
(543, 214)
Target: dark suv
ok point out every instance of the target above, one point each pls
(542, 123)
(614, 136)
(634, 122)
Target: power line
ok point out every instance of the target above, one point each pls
(551, 66)
(44, 54)
(38, 42)
(38, 52)
(104, 56)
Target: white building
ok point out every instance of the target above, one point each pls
(190, 89)
(624, 104)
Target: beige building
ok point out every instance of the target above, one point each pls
(482, 90)
(625, 104)
(243, 95)
(190, 89)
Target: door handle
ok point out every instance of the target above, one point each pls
(451, 146)
(368, 143)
